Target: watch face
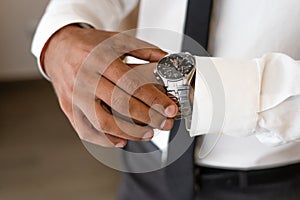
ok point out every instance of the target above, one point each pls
(175, 66)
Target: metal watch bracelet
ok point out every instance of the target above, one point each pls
(180, 93)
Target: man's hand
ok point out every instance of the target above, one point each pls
(107, 101)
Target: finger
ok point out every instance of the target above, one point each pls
(88, 133)
(150, 54)
(129, 80)
(137, 48)
(136, 85)
(147, 71)
(105, 122)
(118, 142)
(130, 107)
(66, 107)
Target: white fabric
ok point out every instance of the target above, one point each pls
(248, 30)
(240, 99)
(257, 101)
(165, 12)
(261, 95)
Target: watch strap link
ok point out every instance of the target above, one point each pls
(181, 95)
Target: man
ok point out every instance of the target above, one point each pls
(261, 96)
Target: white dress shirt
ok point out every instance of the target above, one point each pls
(261, 89)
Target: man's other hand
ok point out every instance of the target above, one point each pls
(105, 99)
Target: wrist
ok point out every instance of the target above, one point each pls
(47, 44)
(52, 45)
(176, 72)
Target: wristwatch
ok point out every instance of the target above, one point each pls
(175, 72)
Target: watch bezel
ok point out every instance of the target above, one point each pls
(191, 59)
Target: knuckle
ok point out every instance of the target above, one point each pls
(82, 132)
(123, 135)
(69, 89)
(135, 86)
(65, 105)
(153, 97)
(84, 136)
(154, 100)
(102, 125)
(157, 120)
(116, 101)
(119, 101)
(119, 44)
(140, 113)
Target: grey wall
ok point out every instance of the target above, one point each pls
(18, 21)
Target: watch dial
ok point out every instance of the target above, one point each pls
(175, 66)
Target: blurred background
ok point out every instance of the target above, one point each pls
(41, 157)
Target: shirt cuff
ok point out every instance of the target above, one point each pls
(226, 98)
(279, 113)
(239, 98)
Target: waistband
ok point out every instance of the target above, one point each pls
(205, 176)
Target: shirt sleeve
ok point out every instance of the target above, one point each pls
(248, 97)
(100, 14)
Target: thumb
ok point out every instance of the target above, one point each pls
(144, 50)
(151, 54)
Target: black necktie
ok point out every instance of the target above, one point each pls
(180, 174)
(176, 181)
(197, 24)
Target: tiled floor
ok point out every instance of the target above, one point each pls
(41, 156)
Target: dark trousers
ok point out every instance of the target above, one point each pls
(181, 180)
(212, 184)
(176, 181)
(281, 183)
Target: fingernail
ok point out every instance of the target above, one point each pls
(148, 135)
(163, 124)
(119, 145)
(170, 111)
